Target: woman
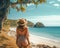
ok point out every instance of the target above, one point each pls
(22, 34)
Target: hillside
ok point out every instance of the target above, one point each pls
(13, 23)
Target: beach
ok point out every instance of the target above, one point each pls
(34, 39)
(42, 40)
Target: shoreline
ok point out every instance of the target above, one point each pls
(42, 40)
(38, 39)
(49, 38)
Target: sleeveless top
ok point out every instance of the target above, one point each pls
(22, 34)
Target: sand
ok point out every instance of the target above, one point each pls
(42, 40)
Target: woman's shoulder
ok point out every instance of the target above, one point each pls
(26, 27)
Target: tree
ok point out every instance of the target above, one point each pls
(6, 4)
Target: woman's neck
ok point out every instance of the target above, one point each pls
(21, 27)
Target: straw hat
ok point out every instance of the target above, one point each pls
(22, 22)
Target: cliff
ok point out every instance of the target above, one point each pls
(39, 24)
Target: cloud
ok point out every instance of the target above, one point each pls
(59, 0)
(56, 5)
(13, 0)
(51, 2)
(52, 20)
(30, 4)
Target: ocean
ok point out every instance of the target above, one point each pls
(48, 32)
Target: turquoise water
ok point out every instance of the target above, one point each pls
(48, 32)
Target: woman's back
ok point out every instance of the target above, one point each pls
(22, 34)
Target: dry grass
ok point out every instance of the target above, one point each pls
(7, 41)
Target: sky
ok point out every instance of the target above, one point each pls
(48, 13)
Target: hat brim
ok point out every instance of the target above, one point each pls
(22, 24)
(19, 23)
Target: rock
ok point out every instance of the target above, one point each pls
(38, 24)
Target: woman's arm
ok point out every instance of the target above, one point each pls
(27, 36)
(17, 34)
(28, 41)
